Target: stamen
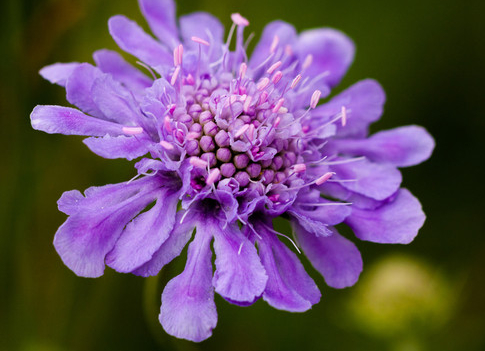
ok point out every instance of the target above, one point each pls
(190, 79)
(315, 98)
(197, 162)
(167, 125)
(276, 122)
(263, 83)
(287, 237)
(176, 61)
(278, 105)
(324, 178)
(181, 53)
(299, 167)
(239, 20)
(274, 67)
(295, 81)
(242, 70)
(263, 97)
(166, 145)
(308, 61)
(274, 44)
(200, 41)
(241, 131)
(132, 130)
(175, 75)
(247, 103)
(276, 77)
(283, 110)
(213, 175)
(251, 132)
(288, 50)
(240, 248)
(193, 135)
(344, 116)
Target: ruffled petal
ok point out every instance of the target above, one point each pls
(332, 52)
(337, 259)
(396, 222)
(113, 63)
(289, 287)
(286, 34)
(69, 121)
(374, 180)
(239, 275)
(401, 147)
(96, 222)
(144, 235)
(160, 15)
(58, 72)
(188, 310)
(131, 38)
(79, 88)
(364, 102)
(170, 248)
(129, 147)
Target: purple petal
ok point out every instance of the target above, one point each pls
(79, 88)
(144, 235)
(170, 248)
(364, 101)
(188, 309)
(312, 224)
(239, 276)
(336, 258)
(69, 121)
(289, 287)
(96, 223)
(374, 180)
(206, 27)
(113, 63)
(160, 15)
(401, 147)
(332, 52)
(58, 72)
(129, 147)
(132, 39)
(396, 222)
(286, 34)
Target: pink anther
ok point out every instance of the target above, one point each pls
(278, 105)
(277, 122)
(274, 67)
(242, 70)
(276, 77)
(308, 61)
(295, 81)
(344, 116)
(274, 44)
(315, 98)
(132, 130)
(247, 103)
(299, 167)
(192, 135)
(239, 20)
(324, 178)
(166, 145)
(175, 75)
(167, 125)
(197, 162)
(200, 41)
(263, 83)
(213, 176)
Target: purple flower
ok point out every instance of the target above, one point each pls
(234, 141)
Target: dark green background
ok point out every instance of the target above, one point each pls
(429, 295)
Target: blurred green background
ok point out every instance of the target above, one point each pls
(429, 295)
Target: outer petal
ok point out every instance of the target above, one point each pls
(364, 102)
(289, 287)
(113, 63)
(129, 147)
(96, 223)
(336, 258)
(69, 121)
(132, 39)
(145, 234)
(401, 147)
(396, 222)
(377, 181)
(160, 15)
(170, 249)
(332, 52)
(286, 34)
(188, 309)
(240, 276)
(58, 72)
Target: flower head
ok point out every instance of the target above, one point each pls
(235, 141)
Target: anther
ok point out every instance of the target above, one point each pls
(263, 83)
(308, 61)
(167, 125)
(200, 41)
(274, 67)
(213, 176)
(278, 105)
(132, 130)
(192, 135)
(166, 145)
(288, 50)
(295, 81)
(242, 70)
(299, 167)
(175, 75)
(197, 162)
(276, 77)
(274, 44)
(344, 116)
(181, 53)
(247, 103)
(241, 131)
(315, 98)
(239, 20)
(276, 122)
(324, 178)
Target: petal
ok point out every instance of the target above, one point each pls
(131, 38)
(312, 225)
(286, 34)
(160, 15)
(239, 274)
(401, 147)
(396, 222)
(79, 88)
(170, 248)
(129, 147)
(374, 180)
(332, 52)
(69, 121)
(96, 223)
(113, 63)
(144, 235)
(289, 287)
(337, 259)
(188, 310)
(58, 72)
(204, 26)
(364, 102)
